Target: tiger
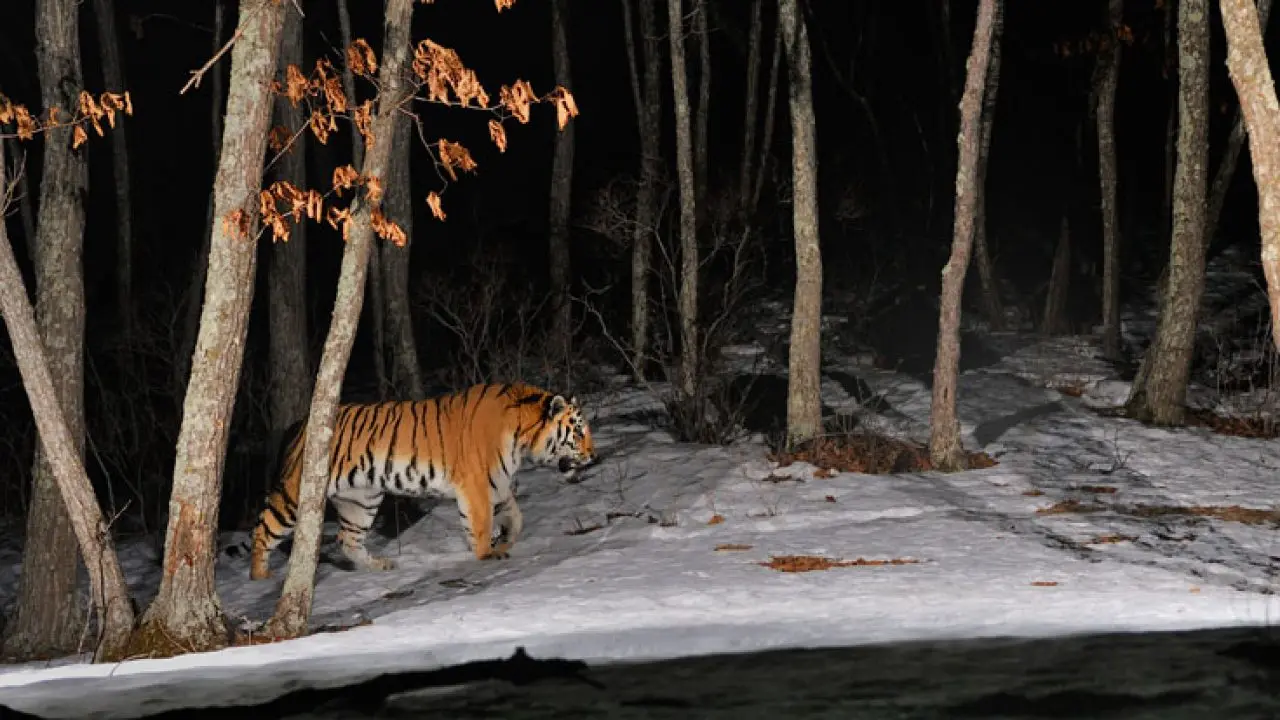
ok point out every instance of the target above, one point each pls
(467, 445)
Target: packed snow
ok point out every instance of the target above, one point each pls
(659, 552)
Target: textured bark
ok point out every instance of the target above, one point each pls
(185, 615)
(287, 289)
(1159, 395)
(987, 279)
(944, 430)
(751, 112)
(561, 191)
(702, 113)
(48, 616)
(687, 303)
(113, 75)
(30, 633)
(1108, 74)
(1055, 320)
(293, 610)
(770, 113)
(804, 398)
(1171, 122)
(406, 375)
(1251, 75)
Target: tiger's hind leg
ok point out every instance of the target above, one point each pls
(356, 511)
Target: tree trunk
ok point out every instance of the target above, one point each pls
(48, 617)
(1171, 120)
(185, 615)
(944, 430)
(702, 115)
(1159, 396)
(113, 75)
(406, 375)
(770, 113)
(1251, 75)
(1108, 76)
(293, 610)
(751, 112)
(288, 340)
(32, 631)
(688, 301)
(986, 272)
(804, 395)
(649, 109)
(561, 193)
(1055, 320)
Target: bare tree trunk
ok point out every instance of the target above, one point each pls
(1171, 121)
(48, 617)
(1055, 320)
(33, 631)
(751, 113)
(185, 615)
(1108, 76)
(986, 272)
(702, 114)
(287, 293)
(945, 449)
(649, 109)
(770, 113)
(688, 301)
(1251, 75)
(406, 375)
(113, 75)
(293, 610)
(561, 192)
(804, 394)
(1159, 396)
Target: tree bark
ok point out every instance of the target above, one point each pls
(751, 113)
(561, 192)
(1159, 395)
(945, 449)
(406, 374)
(113, 75)
(1251, 75)
(48, 616)
(1108, 178)
(186, 615)
(990, 284)
(287, 290)
(702, 114)
(804, 394)
(1055, 320)
(62, 450)
(293, 610)
(770, 113)
(1171, 121)
(687, 303)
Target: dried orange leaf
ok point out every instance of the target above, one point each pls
(498, 134)
(565, 106)
(433, 201)
(360, 58)
(79, 137)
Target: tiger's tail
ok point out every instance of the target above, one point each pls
(279, 513)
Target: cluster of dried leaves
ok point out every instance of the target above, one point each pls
(1258, 427)
(809, 563)
(866, 452)
(1229, 513)
(89, 110)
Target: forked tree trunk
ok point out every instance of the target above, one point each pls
(561, 193)
(945, 450)
(287, 293)
(1159, 394)
(990, 285)
(1108, 178)
(406, 375)
(687, 303)
(293, 610)
(48, 612)
(770, 115)
(185, 615)
(113, 76)
(751, 113)
(1251, 75)
(61, 450)
(702, 114)
(804, 395)
(1055, 320)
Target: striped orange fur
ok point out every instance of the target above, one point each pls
(467, 445)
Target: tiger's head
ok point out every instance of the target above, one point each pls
(564, 438)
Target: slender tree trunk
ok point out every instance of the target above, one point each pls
(1251, 75)
(649, 110)
(1109, 58)
(1055, 320)
(185, 615)
(688, 301)
(561, 192)
(804, 396)
(406, 376)
(32, 632)
(287, 289)
(945, 449)
(113, 75)
(1171, 120)
(770, 114)
(751, 112)
(986, 271)
(1159, 397)
(294, 607)
(48, 616)
(702, 114)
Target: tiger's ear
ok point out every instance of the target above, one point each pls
(555, 405)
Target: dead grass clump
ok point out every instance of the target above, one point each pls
(1111, 539)
(1257, 427)
(869, 453)
(1231, 513)
(731, 547)
(810, 563)
(1069, 506)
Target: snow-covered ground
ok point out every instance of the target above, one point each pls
(659, 552)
